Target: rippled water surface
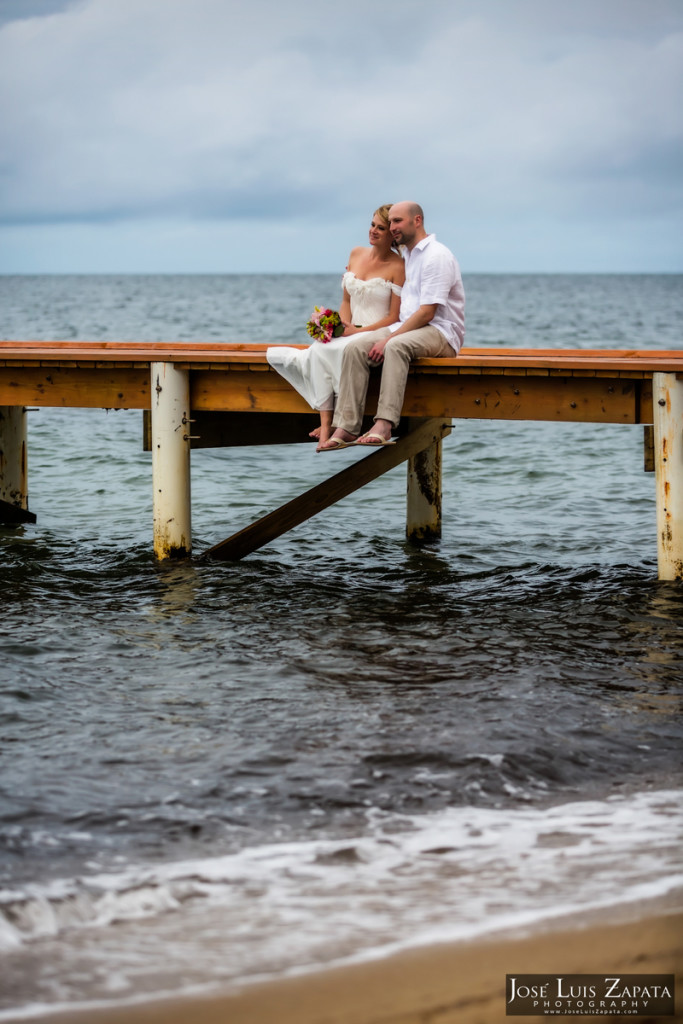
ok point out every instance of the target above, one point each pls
(178, 739)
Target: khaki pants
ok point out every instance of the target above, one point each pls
(398, 354)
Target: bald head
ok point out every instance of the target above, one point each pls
(406, 223)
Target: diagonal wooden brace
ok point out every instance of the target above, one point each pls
(429, 433)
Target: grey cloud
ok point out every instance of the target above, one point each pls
(21, 10)
(117, 109)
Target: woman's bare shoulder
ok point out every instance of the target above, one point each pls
(357, 254)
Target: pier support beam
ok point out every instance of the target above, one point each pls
(667, 405)
(423, 507)
(170, 389)
(425, 434)
(13, 469)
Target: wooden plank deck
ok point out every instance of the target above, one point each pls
(228, 395)
(584, 385)
(239, 354)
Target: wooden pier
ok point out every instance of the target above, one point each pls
(209, 395)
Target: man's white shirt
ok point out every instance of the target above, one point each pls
(433, 278)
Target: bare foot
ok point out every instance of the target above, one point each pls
(381, 430)
(315, 434)
(340, 439)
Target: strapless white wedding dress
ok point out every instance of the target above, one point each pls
(315, 371)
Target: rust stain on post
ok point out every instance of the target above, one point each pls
(668, 431)
(423, 511)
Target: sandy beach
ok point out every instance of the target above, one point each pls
(458, 983)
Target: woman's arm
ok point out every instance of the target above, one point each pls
(345, 309)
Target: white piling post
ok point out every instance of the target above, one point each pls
(667, 404)
(170, 390)
(423, 508)
(13, 468)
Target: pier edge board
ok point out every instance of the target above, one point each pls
(591, 386)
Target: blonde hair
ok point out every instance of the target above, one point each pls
(383, 212)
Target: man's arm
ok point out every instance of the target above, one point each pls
(420, 318)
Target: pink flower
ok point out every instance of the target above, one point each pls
(325, 324)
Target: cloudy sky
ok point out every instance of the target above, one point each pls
(260, 135)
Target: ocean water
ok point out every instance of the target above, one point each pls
(343, 744)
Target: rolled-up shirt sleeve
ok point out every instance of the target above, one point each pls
(437, 279)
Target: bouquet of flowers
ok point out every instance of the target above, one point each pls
(324, 325)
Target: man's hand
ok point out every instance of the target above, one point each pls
(376, 353)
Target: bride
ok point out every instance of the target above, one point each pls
(371, 299)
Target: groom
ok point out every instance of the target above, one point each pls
(431, 323)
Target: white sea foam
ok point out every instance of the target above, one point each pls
(453, 874)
